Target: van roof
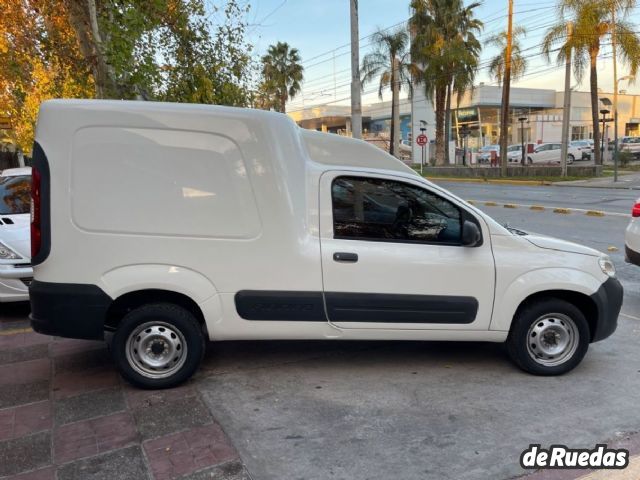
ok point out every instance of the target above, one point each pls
(323, 148)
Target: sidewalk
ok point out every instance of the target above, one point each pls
(66, 414)
(625, 181)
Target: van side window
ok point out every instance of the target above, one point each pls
(386, 210)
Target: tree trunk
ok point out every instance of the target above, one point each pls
(594, 105)
(447, 127)
(84, 20)
(440, 101)
(283, 103)
(395, 121)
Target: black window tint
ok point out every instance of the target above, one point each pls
(377, 209)
(15, 194)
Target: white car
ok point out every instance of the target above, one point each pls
(15, 248)
(550, 153)
(484, 153)
(158, 226)
(632, 236)
(514, 154)
(583, 148)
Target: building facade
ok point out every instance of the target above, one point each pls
(535, 117)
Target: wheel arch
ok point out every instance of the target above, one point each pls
(137, 298)
(581, 301)
(572, 285)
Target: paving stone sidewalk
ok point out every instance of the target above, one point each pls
(66, 414)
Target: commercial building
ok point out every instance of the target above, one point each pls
(478, 113)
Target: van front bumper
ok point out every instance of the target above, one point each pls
(608, 299)
(68, 310)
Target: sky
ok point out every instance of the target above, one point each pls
(320, 30)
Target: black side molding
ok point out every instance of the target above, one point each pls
(399, 308)
(68, 309)
(280, 305)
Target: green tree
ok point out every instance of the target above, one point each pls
(389, 63)
(592, 23)
(282, 74)
(446, 51)
(518, 62)
(164, 49)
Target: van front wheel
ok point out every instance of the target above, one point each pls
(158, 346)
(548, 337)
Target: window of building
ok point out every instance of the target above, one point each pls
(579, 133)
(386, 210)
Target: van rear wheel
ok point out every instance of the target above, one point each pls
(548, 337)
(158, 346)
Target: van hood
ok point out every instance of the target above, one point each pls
(16, 235)
(552, 243)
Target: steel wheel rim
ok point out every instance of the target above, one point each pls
(156, 349)
(552, 339)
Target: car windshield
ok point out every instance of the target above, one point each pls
(514, 148)
(16, 194)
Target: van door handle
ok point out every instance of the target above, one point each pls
(345, 257)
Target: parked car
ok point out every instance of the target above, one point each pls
(514, 153)
(158, 226)
(631, 145)
(550, 153)
(15, 264)
(484, 153)
(584, 147)
(632, 236)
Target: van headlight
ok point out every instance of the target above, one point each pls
(7, 254)
(607, 266)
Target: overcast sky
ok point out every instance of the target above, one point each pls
(319, 29)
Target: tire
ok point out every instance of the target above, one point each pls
(529, 161)
(559, 321)
(571, 159)
(158, 326)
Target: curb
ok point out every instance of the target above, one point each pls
(542, 208)
(535, 183)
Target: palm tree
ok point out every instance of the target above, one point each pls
(445, 46)
(592, 23)
(389, 62)
(282, 73)
(518, 62)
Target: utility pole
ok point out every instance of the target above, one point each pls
(566, 112)
(356, 105)
(615, 93)
(506, 85)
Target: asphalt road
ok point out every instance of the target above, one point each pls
(606, 199)
(411, 410)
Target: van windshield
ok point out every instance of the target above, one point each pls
(15, 193)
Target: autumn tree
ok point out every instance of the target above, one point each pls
(166, 50)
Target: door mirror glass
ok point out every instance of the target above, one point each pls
(471, 235)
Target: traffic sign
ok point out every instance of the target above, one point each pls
(421, 140)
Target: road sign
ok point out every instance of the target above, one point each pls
(421, 139)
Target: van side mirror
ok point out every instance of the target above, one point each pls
(471, 235)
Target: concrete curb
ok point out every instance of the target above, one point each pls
(558, 210)
(535, 183)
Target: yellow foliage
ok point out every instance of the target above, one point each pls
(41, 60)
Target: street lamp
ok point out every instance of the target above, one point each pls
(522, 120)
(604, 113)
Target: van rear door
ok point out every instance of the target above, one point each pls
(392, 256)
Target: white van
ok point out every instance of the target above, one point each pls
(160, 226)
